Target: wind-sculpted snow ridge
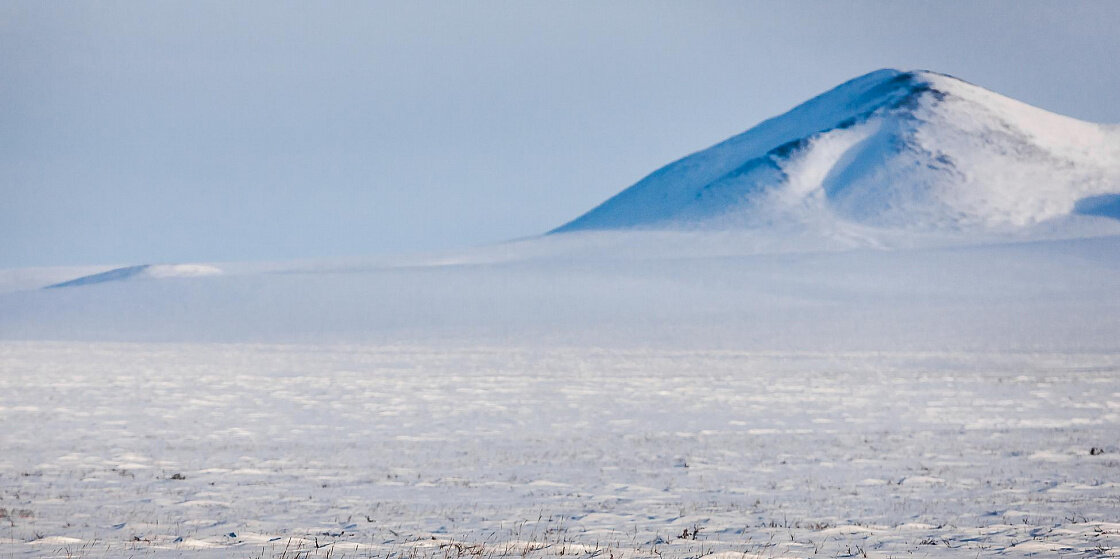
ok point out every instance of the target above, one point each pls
(916, 151)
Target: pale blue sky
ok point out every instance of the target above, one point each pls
(171, 131)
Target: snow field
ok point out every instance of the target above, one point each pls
(217, 450)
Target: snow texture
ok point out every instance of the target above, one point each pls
(220, 450)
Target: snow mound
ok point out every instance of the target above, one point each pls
(182, 271)
(916, 151)
(142, 271)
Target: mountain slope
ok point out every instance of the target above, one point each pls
(901, 150)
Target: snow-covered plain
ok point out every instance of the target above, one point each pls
(425, 451)
(578, 396)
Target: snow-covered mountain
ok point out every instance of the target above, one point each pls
(900, 150)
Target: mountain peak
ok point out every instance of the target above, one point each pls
(891, 148)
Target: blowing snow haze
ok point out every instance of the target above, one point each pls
(916, 150)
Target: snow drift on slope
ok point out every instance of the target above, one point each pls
(900, 150)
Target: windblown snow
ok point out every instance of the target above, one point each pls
(902, 150)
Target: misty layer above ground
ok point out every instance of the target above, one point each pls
(669, 290)
(217, 450)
